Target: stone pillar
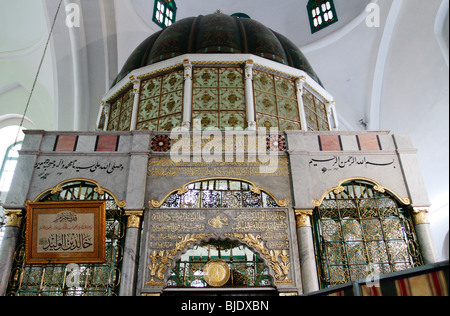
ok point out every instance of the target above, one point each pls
(136, 92)
(249, 99)
(331, 123)
(187, 95)
(135, 197)
(334, 115)
(423, 232)
(106, 111)
(301, 107)
(310, 280)
(131, 253)
(8, 246)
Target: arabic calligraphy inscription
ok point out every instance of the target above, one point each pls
(66, 232)
(337, 163)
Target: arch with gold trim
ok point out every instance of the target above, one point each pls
(376, 186)
(99, 189)
(254, 188)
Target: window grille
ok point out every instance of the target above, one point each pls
(52, 279)
(247, 269)
(361, 231)
(220, 194)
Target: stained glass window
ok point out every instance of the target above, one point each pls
(120, 112)
(322, 13)
(276, 102)
(219, 97)
(316, 112)
(164, 12)
(361, 231)
(220, 194)
(161, 102)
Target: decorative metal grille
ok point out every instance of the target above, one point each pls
(55, 279)
(361, 231)
(220, 194)
(246, 268)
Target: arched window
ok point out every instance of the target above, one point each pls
(219, 193)
(360, 230)
(243, 266)
(95, 279)
(8, 166)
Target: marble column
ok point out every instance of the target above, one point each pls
(249, 100)
(301, 107)
(423, 232)
(187, 95)
(136, 92)
(131, 253)
(310, 280)
(8, 246)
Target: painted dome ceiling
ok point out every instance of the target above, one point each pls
(216, 34)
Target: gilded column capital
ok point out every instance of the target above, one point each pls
(249, 69)
(134, 218)
(420, 215)
(303, 217)
(14, 218)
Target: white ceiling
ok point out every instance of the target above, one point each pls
(393, 77)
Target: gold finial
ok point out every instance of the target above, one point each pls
(218, 11)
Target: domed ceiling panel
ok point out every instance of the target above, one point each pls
(262, 41)
(218, 33)
(172, 42)
(214, 34)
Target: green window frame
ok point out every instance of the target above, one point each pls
(164, 13)
(322, 13)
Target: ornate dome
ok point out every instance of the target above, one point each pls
(216, 34)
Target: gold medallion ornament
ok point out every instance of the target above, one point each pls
(217, 273)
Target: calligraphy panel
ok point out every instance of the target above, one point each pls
(69, 232)
(171, 232)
